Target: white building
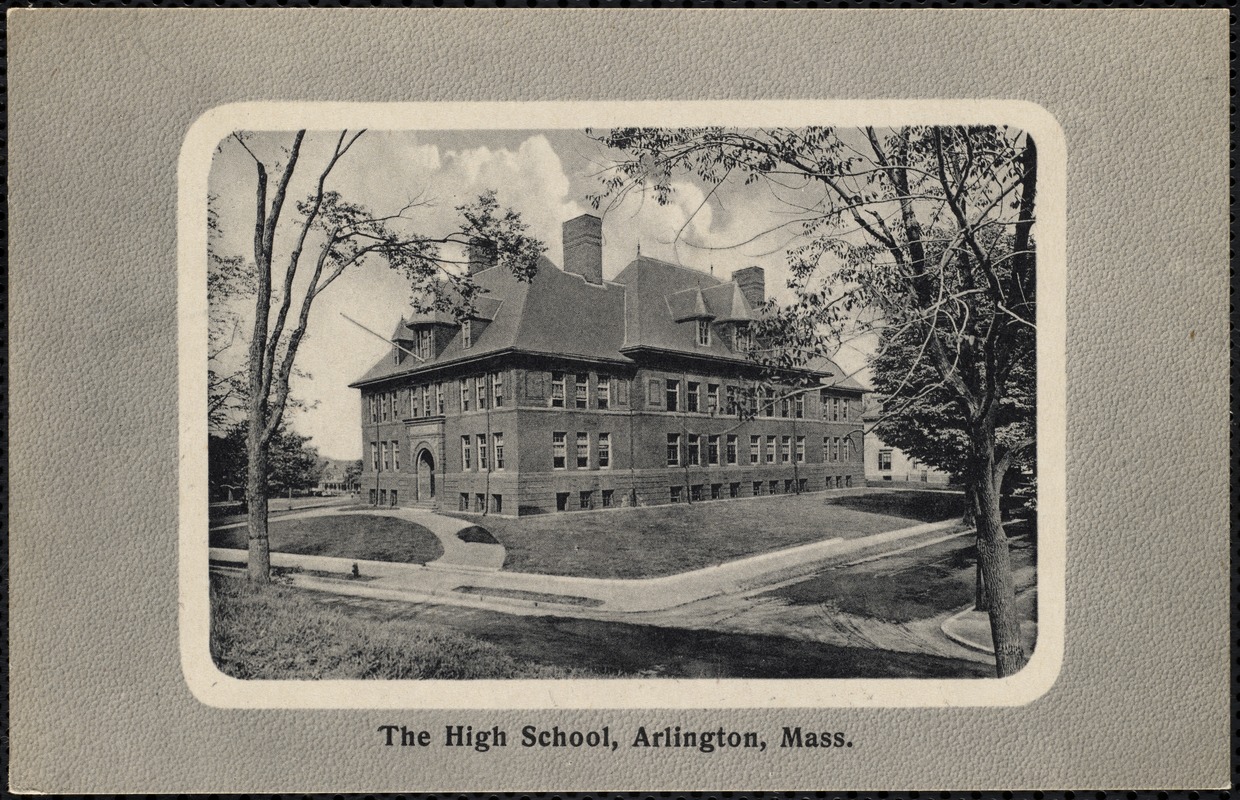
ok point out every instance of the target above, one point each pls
(884, 463)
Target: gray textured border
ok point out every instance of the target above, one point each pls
(100, 102)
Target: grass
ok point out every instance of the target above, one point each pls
(362, 536)
(664, 540)
(917, 584)
(600, 648)
(277, 632)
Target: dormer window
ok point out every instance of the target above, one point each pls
(740, 338)
(424, 343)
(703, 333)
(467, 335)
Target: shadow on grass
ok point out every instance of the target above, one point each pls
(921, 506)
(361, 536)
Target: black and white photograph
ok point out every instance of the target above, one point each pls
(645, 402)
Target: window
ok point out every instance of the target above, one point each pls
(583, 391)
(755, 447)
(466, 453)
(838, 482)
(773, 487)
(480, 502)
(587, 500)
(374, 497)
(374, 456)
(734, 490)
(387, 461)
(439, 398)
(498, 440)
(788, 486)
(583, 451)
(557, 390)
(393, 498)
(692, 395)
(695, 492)
(844, 410)
(497, 504)
(424, 343)
(480, 391)
(703, 332)
(712, 398)
(609, 498)
(395, 405)
(467, 334)
(383, 497)
(785, 450)
(712, 450)
(413, 402)
(731, 449)
(783, 407)
(374, 408)
(740, 338)
(603, 392)
(847, 449)
(884, 460)
(482, 452)
(730, 395)
(770, 449)
(604, 450)
(559, 446)
(716, 491)
(653, 396)
(395, 455)
(464, 395)
(463, 503)
(426, 400)
(694, 450)
(387, 404)
(835, 409)
(800, 449)
(497, 388)
(798, 410)
(673, 449)
(835, 449)
(676, 493)
(847, 481)
(561, 501)
(673, 395)
(757, 488)
(826, 449)
(768, 403)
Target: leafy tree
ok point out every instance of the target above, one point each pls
(292, 465)
(323, 235)
(919, 236)
(353, 474)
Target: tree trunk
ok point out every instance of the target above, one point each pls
(979, 593)
(995, 565)
(256, 500)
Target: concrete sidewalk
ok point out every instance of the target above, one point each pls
(490, 588)
(971, 628)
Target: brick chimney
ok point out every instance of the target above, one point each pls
(583, 247)
(482, 254)
(752, 281)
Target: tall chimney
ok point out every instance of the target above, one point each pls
(482, 254)
(583, 247)
(752, 281)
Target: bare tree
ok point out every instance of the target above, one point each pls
(324, 236)
(920, 237)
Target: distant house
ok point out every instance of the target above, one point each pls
(334, 477)
(573, 392)
(886, 463)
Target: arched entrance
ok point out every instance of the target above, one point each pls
(426, 477)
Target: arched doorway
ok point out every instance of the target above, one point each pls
(426, 477)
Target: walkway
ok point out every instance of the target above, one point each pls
(972, 628)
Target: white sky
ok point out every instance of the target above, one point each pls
(544, 175)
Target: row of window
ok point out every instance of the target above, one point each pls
(495, 505)
(480, 454)
(483, 391)
(559, 450)
(759, 403)
(834, 449)
(387, 453)
(606, 498)
(742, 339)
(383, 497)
(581, 391)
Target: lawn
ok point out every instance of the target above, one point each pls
(917, 584)
(664, 540)
(362, 536)
(600, 648)
(278, 632)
